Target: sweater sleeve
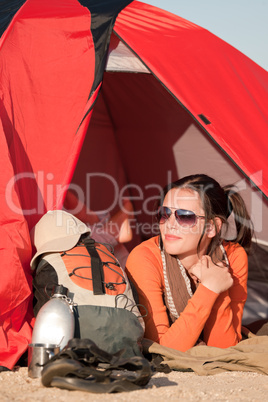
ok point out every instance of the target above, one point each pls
(223, 327)
(145, 270)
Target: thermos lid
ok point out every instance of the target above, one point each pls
(60, 290)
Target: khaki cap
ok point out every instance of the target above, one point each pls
(56, 231)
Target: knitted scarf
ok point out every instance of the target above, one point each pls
(176, 294)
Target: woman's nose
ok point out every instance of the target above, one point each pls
(171, 222)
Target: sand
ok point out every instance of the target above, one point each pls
(227, 386)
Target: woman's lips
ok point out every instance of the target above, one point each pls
(171, 237)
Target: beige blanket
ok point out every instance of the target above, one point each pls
(249, 355)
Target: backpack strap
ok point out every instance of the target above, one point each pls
(96, 266)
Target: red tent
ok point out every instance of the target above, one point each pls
(114, 109)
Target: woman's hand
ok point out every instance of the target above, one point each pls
(214, 277)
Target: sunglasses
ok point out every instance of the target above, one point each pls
(184, 217)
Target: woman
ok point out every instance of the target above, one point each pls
(192, 283)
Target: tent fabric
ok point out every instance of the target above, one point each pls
(194, 59)
(49, 82)
(63, 117)
(8, 10)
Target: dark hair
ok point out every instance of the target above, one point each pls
(218, 202)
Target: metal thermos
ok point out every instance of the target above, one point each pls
(55, 320)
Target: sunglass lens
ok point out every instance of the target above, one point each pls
(163, 214)
(185, 218)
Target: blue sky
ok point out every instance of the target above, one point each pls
(241, 23)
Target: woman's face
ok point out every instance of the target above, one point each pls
(179, 240)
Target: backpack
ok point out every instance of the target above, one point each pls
(104, 306)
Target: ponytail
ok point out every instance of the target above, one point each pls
(244, 225)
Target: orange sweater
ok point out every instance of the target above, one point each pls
(219, 316)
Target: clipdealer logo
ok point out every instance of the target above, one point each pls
(43, 189)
